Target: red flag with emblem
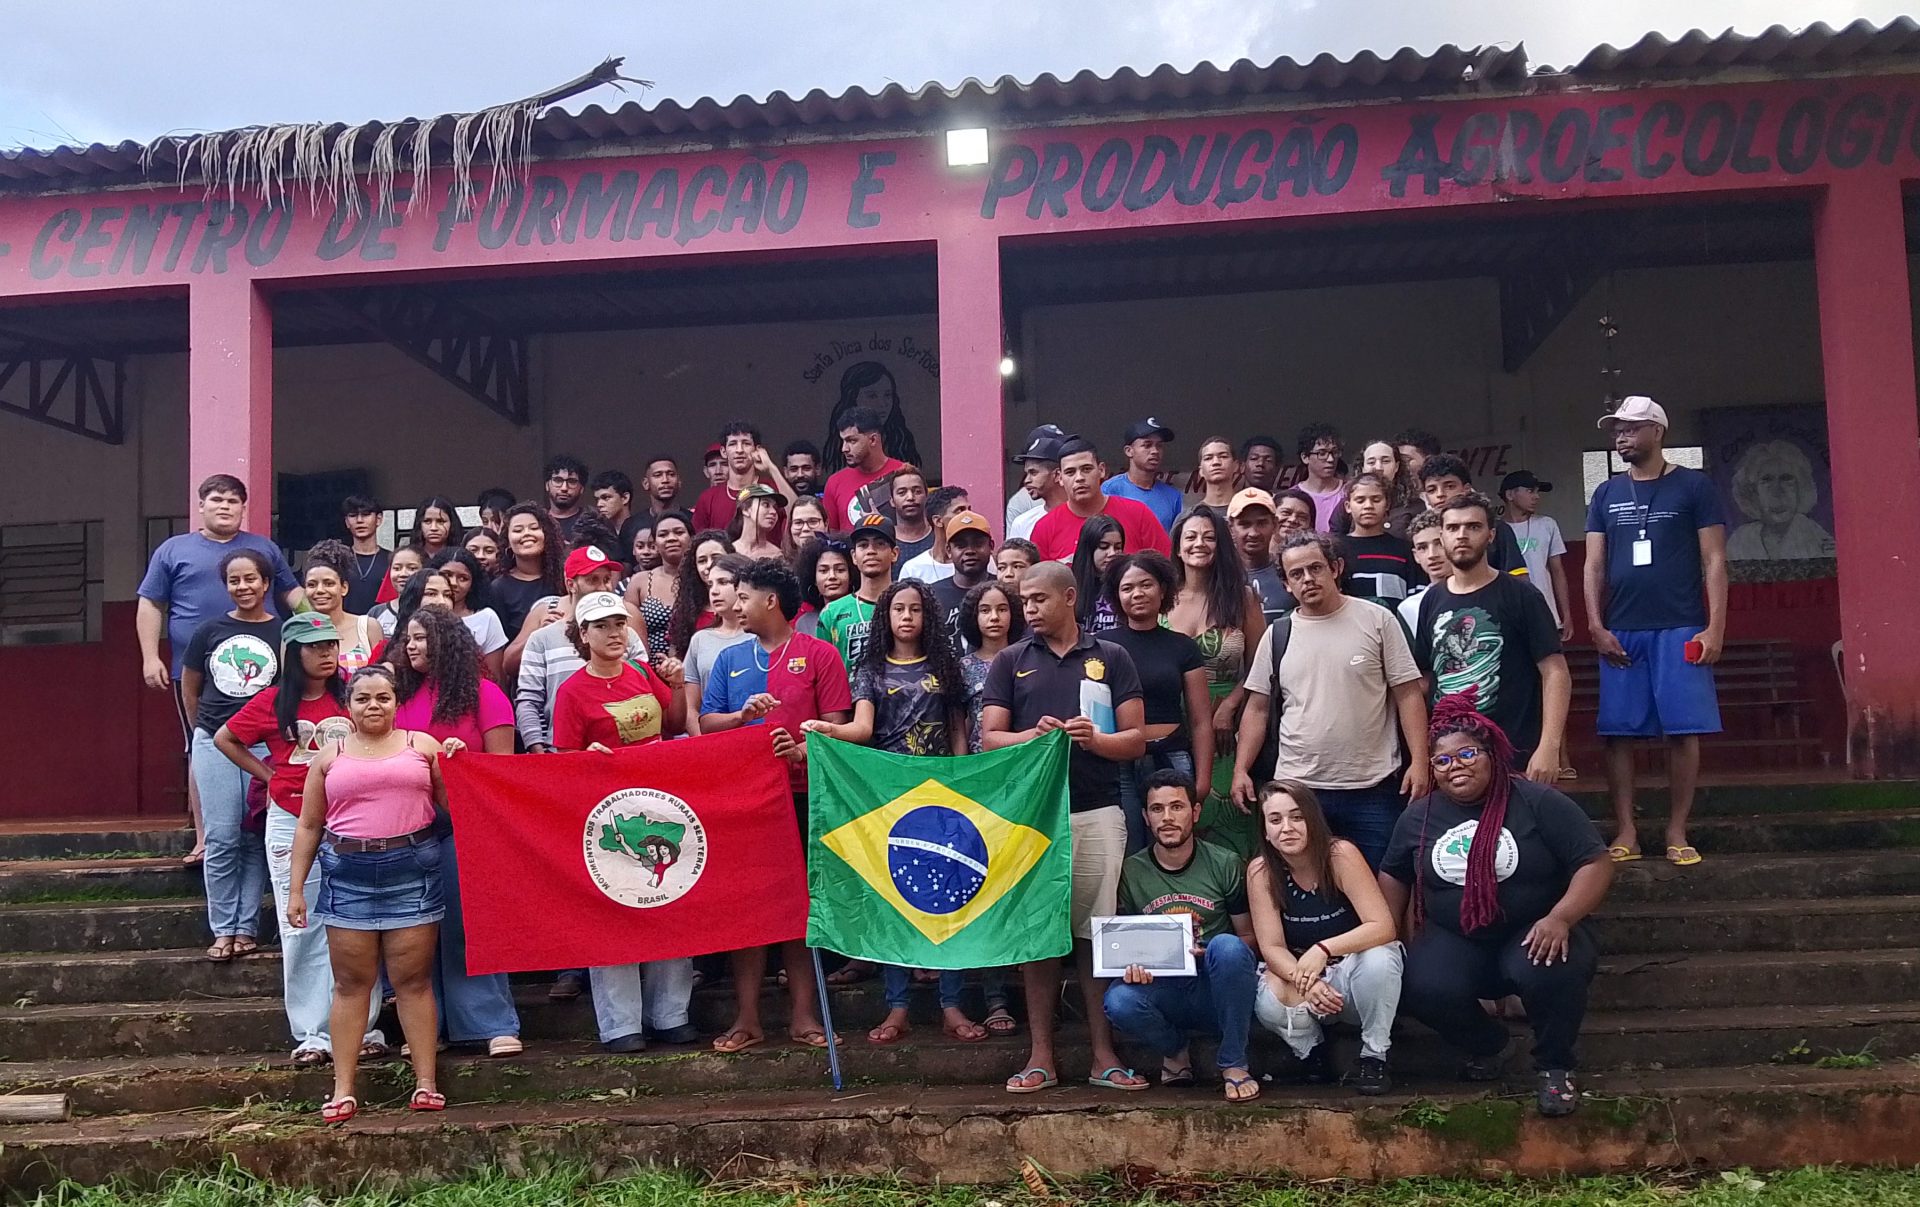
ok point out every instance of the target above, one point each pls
(585, 860)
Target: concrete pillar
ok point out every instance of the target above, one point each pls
(972, 421)
(1866, 340)
(230, 392)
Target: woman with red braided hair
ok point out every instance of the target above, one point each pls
(1499, 873)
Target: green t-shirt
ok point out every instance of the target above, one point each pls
(1212, 887)
(845, 623)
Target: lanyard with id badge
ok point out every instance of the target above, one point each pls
(1642, 545)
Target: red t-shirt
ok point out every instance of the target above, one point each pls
(1058, 532)
(844, 485)
(321, 723)
(627, 710)
(717, 505)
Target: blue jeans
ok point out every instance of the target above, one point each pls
(472, 1008)
(897, 979)
(236, 859)
(630, 999)
(1364, 816)
(1133, 791)
(1219, 1001)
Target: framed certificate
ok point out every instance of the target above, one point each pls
(1160, 943)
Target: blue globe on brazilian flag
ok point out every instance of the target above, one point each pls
(939, 862)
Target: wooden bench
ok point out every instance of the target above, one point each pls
(1763, 705)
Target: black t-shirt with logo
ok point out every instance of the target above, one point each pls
(1545, 839)
(1162, 657)
(948, 596)
(237, 659)
(1492, 640)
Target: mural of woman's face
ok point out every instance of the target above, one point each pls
(1777, 491)
(879, 396)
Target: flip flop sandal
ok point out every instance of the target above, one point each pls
(1178, 1077)
(375, 1051)
(219, 951)
(311, 1058)
(881, 1036)
(244, 946)
(748, 1041)
(1233, 1085)
(1106, 1080)
(1000, 1022)
(427, 1100)
(960, 1031)
(852, 974)
(815, 1039)
(339, 1110)
(1682, 857)
(1047, 1081)
(1620, 854)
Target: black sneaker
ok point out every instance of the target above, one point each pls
(1558, 1095)
(685, 1033)
(625, 1045)
(1316, 1067)
(1369, 1078)
(1483, 1068)
(566, 987)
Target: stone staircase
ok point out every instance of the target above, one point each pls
(1797, 942)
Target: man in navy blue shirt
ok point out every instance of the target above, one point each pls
(1656, 544)
(1146, 442)
(183, 589)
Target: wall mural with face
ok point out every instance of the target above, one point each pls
(1771, 466)
(889, 372)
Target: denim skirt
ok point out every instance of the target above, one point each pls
(381, 890)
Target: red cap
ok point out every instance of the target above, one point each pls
(587, 559)
(712, 449)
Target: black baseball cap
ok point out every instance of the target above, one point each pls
(1149, 426)
(1523, 478)
(874, 523)
(1043, 444)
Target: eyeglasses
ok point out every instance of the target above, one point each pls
(1324, 452)
(1466, 756)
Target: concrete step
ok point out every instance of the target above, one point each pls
(1678, 980)
(1806, 875)
(70, 978)
(87, 879)
(51, 840)
(1838, 924)
(1760, 1119)
(1790, 833)
(1672, 1038)
(126, 925)
(1770, 793)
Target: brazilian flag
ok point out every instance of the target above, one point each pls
(939, 862)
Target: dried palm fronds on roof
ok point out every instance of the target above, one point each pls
(328, 160)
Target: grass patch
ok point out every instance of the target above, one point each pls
(572, 1187)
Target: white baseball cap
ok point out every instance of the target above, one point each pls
(598, 605)
(1636, 408)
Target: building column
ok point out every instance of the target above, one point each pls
(230, 392)
(1873, 430)
(972, 420)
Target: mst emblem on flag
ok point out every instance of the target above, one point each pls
(644, 848)
(939, 859)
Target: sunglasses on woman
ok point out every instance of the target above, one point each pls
(1465, 756)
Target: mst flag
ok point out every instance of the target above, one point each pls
(940, 862)
(585, 860)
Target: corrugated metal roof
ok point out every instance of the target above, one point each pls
(1012, 101)
(1818, 46)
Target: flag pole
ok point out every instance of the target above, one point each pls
(826, 1018)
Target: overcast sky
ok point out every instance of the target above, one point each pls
(105, 70)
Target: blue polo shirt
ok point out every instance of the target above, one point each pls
(1162, 500)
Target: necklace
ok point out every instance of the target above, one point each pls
(363, 573)
(771, 658)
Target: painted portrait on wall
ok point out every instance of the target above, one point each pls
(1771, 466)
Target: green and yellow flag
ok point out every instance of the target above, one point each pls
(939, 862)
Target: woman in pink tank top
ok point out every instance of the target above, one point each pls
(368, 814)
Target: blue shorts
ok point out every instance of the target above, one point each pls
(1659, 694)
(381, 890)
